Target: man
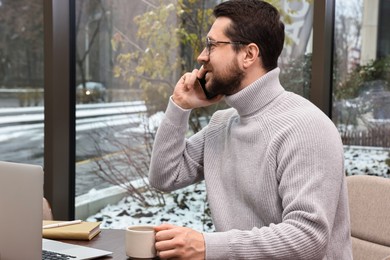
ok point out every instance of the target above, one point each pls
(272, 164)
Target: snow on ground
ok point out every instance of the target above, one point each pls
(130, 212)
(192, 213)
(367, 160)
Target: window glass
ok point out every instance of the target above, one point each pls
(295, 61)
(130, 55)
(361, 93)
(21, 81)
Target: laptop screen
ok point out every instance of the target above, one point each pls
(21, 196)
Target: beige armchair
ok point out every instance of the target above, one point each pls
(369, 204)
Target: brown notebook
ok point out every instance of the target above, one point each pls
(81, 231)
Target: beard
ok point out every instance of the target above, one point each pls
(228, 82)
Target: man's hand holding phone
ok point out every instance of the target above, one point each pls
(189, 92)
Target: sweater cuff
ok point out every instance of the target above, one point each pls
(177, 115)
(217, 246)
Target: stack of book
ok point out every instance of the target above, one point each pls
(75, 230)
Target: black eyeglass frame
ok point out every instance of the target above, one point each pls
(210, 43)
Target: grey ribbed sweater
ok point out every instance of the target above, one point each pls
(274, 173)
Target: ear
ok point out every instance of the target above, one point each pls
(252, 55)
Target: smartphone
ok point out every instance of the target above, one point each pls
(202, 82)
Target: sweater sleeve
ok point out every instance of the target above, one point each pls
(176, 162)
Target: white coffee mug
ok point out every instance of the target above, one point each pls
(140, 241)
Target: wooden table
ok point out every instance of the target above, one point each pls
(109, 239)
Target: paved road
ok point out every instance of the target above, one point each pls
(24, 143)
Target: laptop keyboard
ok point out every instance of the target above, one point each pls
(48, 255)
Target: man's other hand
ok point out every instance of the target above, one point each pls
(174, 242)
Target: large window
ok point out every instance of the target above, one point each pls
(361, 95)
(129, 57)
(21, 81)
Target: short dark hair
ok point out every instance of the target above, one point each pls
(255, 21)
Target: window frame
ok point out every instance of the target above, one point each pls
(59, 107)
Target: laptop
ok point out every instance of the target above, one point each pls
(21, 197)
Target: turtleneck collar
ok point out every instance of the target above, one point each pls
(257, 95)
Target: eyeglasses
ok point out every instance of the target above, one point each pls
(210, 44)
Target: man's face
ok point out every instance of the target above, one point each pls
(224, 74)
